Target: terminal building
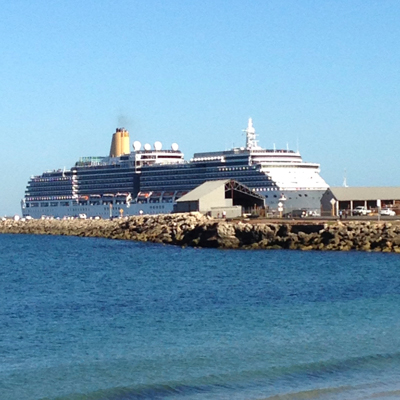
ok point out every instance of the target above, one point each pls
(348, 198)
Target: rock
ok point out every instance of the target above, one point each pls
(306, 248)
(229, 242)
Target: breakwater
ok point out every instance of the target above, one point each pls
(197, 230)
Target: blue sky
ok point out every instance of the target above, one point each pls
(323, 76)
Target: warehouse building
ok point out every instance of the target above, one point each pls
(348, 198)
(226, 198)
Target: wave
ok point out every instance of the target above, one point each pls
(311, 394)
(334, 366)
(312, 380)
(140, 392)
(395, 394)
(341, 392)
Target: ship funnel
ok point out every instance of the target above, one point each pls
(120, 143)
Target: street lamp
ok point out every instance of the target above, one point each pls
(280, 209)
(333, 202)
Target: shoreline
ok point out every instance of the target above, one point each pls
(196, 230)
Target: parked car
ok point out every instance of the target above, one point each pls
(361, 210)
(388, 211)
(313, 214)
(296, 213)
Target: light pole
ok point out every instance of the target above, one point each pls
(282, 199)
(379, 205)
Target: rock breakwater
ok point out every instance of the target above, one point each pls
(197, 230)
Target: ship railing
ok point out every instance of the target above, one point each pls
(201, 159)
(44, 198)
(260, 151)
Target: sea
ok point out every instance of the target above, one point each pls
(97, 319)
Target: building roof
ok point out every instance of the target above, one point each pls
(366, 193)
(209, 186)
(202, 190)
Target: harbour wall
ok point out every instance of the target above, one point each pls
(197, 230)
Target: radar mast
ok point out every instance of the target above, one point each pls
(251, 142)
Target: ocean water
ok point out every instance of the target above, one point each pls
(85, 318)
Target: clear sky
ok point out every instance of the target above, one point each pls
(320, 76)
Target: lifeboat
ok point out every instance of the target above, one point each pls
(155, 197)
(179, 194)
(142, 197)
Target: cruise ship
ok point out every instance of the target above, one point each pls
(149, 180)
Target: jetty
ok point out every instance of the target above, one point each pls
(197, 230)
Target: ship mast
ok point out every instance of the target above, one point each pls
(345, 179)
(251, 142)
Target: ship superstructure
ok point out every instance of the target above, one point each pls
(279, 175)
(150, 179)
